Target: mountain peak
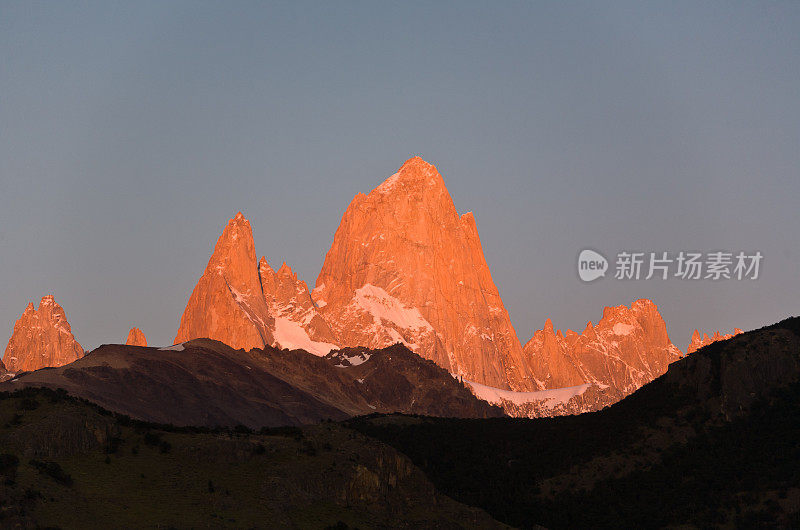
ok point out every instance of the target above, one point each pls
(414, 175)
(286, 270)
(136, 338)
(47, 300)
(402, 265)
(41, 338)
(697, 342)
(231, 286)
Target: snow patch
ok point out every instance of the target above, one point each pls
(383, 306)
(291, 335)
(622, 329)
(354, 360)
(550, 398)
(174, 347)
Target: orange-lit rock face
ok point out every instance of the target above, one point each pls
(405, 267)
(245, 304)
(227, 303)
(136, 338)
(628, 348)
(697, 342)
(298, 324)
(41, 338)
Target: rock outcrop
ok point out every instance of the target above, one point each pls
(245, 304)
(298, 324)
(42, 337)
(697, 342)
(136, 338)
(405, 267)
(227, 303)
(628, 348)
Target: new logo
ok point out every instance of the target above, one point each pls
(591, 265)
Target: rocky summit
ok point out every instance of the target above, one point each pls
(42, 337)
(245, 304)
(628, 348)
(136, 338)
(698, 342)
(227, 303)
(405, 267)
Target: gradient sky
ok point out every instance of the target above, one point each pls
(131, 132)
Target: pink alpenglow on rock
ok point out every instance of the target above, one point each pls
(42, 337)
(405, 267)
(697, 342)
(136, 338)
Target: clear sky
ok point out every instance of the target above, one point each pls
(131, 132)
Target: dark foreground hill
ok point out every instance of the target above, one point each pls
(66, 463)
(204, 382)
(713, 442)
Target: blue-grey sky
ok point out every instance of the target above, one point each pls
(130, 132)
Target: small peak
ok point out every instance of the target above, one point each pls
(705, 337)
(30, 308)
(695, 336)
(548, 326)
(263, 265)
(47, 300)
(136, 338)
(610, 312)
(737, 331)
(415, 173)
(643, 304)
(238, 221)
(416, 163)
(588, 327)
(285, 269)
(559, 334)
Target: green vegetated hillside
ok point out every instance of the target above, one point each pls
(714, 442)
(70, 464)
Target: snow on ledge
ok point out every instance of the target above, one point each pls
(174, 347)
(548, 398)
(622, 329)
(291, 335)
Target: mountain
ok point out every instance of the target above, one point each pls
(696, 343)
(227, 303)
(205, 382)
(585, 372)
(41, 338)
(298, 324)
(136, 338)
(405, 267)
(711, 443)
(245, 304)
(69, 464)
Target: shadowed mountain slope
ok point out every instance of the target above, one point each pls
(204, 382)
(711, 442)
(70, 464)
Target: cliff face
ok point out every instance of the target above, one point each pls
(298, 324)
(136, 338)
(628, 348)
(227, 303)
(42, 337)
(405, 267)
